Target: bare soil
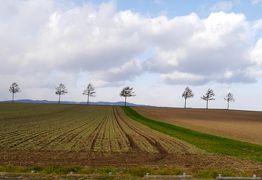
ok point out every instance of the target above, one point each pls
(80, 128)
(241, 125)
(76, 135)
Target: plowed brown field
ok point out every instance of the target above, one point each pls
(80, 128)
(241, 125)
(95, 135)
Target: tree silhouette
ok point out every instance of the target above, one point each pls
(187, 94)
(14, 88)
(127, 92)
(60, 90)
(229, 98)
(209, 96)
(89, 92)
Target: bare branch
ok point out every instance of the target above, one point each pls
(187, 94)
(208, 96)
(61, 89)
(14, 88)
(229, 97)
(127, 92)
(89, 92)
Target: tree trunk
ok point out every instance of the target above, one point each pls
(125, 101)
(185, 104)
(59, 99)
(227, 105)
(88, 99)
(207, 105)
(13, 97)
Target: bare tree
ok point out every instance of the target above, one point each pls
(209, 96)
(14, 88)
(89, 92)
(60, 90)
(187, 94)
(127, 92)
(229, 98)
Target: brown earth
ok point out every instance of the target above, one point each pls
(44, 135)
(191, 162)
(51, 130)
(81, 128)
(241, 125)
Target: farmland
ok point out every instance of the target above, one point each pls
(78, 128)
(210, 143)
(241, 125)
(80, 135)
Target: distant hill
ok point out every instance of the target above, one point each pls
(119, 103)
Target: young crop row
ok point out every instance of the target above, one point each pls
(80, 128)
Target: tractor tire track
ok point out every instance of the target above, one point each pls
(131, 142)
(96, 134)
(162, 152)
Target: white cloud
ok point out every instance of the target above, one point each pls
(211, 48)
(49, 39)
(256, 53)
(44, 42)
(127, 71)
(183, 78)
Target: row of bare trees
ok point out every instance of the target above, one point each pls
(208, 96)
(126, 92)
(60, 90)
(89, 91)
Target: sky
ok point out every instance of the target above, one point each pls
(158, 47)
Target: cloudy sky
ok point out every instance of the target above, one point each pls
(156, 46)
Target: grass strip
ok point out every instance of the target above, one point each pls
(207, 142)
